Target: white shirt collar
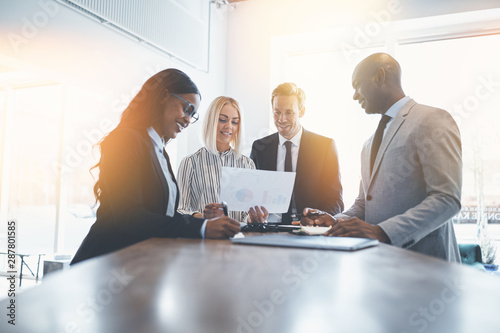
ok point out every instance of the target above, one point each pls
(157, 140)
(394, 109)
(295, 140)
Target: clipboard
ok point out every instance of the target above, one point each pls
(318, 242)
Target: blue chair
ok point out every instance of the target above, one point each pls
(470, 254)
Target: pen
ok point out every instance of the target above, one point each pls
(310, 215)
(224, 207)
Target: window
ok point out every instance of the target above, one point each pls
(462, 76)
(47, 135)
(447, 62)
(330, 109)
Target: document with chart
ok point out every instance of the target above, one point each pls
(245, 188)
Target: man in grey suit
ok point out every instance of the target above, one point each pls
(411, 169)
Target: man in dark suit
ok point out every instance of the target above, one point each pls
(313, 157)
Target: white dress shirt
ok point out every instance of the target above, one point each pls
(159, 145)
(393, 111)
(280, 161)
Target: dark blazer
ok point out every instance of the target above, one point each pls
(134, 198)
(317, 182)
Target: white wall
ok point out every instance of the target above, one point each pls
(251, 29)
(98, 71)
(317, 44)
(76, 50)
(254, 24)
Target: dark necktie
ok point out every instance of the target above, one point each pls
(287, 217)
(288, 156)
(377, 139)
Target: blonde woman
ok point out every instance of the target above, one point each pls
(200, 173)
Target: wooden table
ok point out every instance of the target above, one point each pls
(181, 285)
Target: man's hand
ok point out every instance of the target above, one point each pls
(222, 227)
(316, 217)
(257, 214)
(213, 210)
(355, 227)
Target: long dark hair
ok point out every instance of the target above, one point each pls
(145, 108)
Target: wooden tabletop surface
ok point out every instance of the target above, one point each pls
(184, 285)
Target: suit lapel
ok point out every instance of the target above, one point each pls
(305, 151)
(365, 162)
(271, 154)
(173, 178)
(304, 160)
(159, 172)
(394, 126)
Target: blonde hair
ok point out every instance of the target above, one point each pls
(290, 89)
(212, 120)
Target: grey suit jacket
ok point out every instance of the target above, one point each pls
(416, 184)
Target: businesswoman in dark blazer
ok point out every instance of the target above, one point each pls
(136, 189)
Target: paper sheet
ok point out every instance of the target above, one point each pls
(245, 188)
(314, 231)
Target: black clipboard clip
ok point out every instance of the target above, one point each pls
(224, 208)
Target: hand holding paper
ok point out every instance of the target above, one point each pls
(258, 214)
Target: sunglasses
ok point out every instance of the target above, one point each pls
(189, 109)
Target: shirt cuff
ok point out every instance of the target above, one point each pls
(341, 216)
(203, 227)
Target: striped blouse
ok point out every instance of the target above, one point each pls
(199, 180)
